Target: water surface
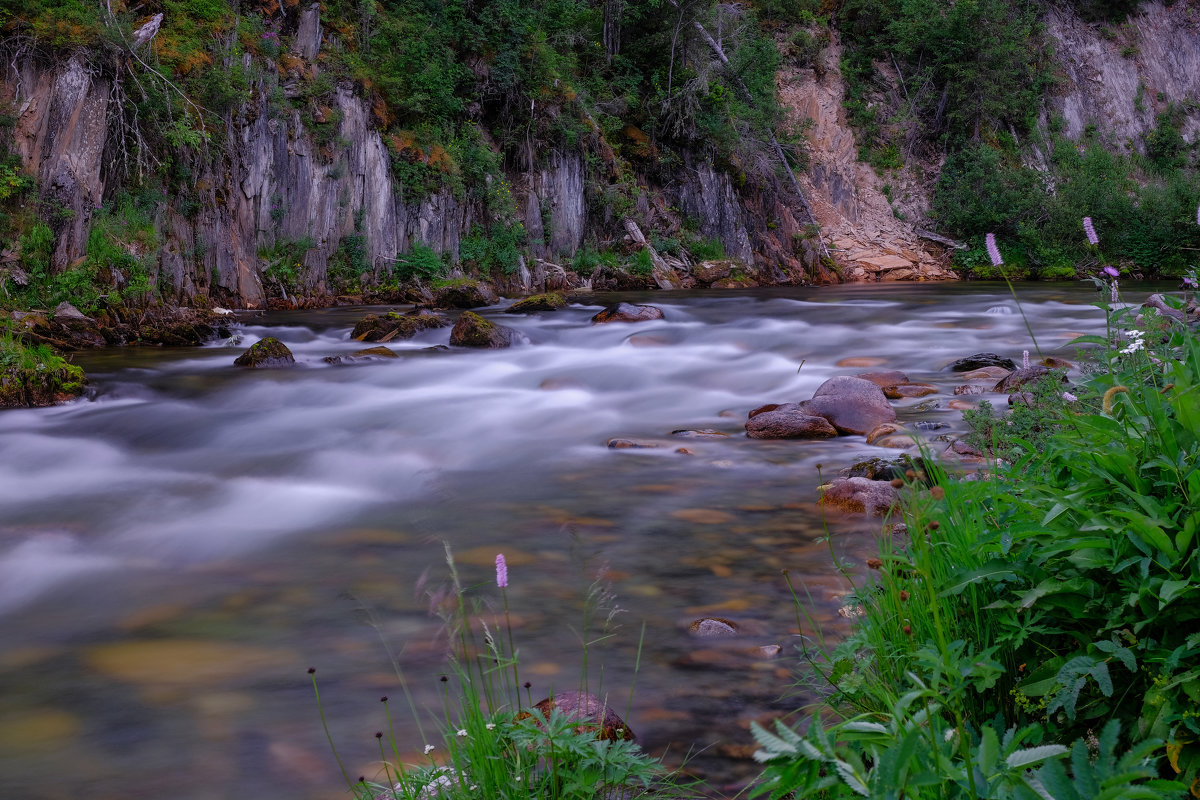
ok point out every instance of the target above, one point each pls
(177, 550)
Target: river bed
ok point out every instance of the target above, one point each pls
(178, 550)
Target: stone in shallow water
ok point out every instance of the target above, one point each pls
(713, 628)
(631, 444)
(538, 302)
(788, 422)
(703, 516)
(885, 378)
(861, 361)
(903, 390)
(860, 495)
(851, 405)
(187, 661)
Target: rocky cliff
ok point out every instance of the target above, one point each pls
(267, 190)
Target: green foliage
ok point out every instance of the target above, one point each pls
(348, 264)
(494, 249)
(420, 262)
(707, 249)
(490, 742)
(283, 264)
(1053, 599)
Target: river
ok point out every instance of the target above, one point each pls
(177, 550)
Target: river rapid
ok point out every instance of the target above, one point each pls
(177, 550)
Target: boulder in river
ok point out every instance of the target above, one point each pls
(788, 421)
(266, 354)
(538, 302)
(982, 360)
(852, 405)
(591, 713)
(860, 495)
(464, 294)
(709, 271)
(1021, 377)
(392, 325)
(884, 378)
(472, 330)
(628, 312)
(358, 356)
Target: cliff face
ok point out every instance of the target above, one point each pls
(268, 184)
(1119, 77)
(267, 189)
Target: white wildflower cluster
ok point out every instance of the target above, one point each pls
(1136, 342)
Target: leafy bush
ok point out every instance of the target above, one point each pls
(1033, 608)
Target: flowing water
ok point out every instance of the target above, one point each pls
(176, 551)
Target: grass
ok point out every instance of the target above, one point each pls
(491, 740)
(1033, 633)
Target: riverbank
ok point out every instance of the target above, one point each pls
(1033, 631)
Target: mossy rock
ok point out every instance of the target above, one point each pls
(392, 325)
(57, 381)
(472, 330)
(464, 294)
(538, 302)
(266, 354)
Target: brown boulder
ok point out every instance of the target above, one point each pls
(709, 271)
(1021, 377)
(788, 422)
(627, 312)
(986, 374)
(472, 330)
(860, 495)
(592, 714)
(375, 328)
(903, 390)
(852, 405)
(464, 294)
(631, 444)
(266, 354)
(885, 429)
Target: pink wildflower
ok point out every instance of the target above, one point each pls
(1070, 398)
(1025, 359)
(1090, 231)
(501, 571)
(1111, 271)
(993, 251)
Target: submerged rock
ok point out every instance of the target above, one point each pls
(472, 330)
(359, 356)
(538, 302)
(267, 353)
(628, 312)
(884, 378)
(902, 390)
(713, 628)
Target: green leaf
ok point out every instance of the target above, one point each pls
(996, 570)
(850, 778)
(1170, 590)
(1032, 755)
(989, 751)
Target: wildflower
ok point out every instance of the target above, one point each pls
(1070, 398)
(428, 749)
(903, 595)
(1090, 231)
(1111, 271)
(1133, 347)
(501, 571)
(378, 734)
(461, 732)
(1112, 295)
(993, 251)
(491, 726)
(1025, 359)
(950, 734)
